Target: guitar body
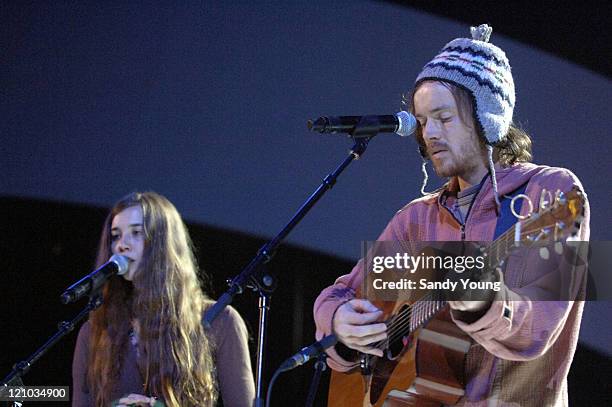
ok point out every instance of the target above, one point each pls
(428, 371)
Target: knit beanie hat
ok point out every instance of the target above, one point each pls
(483, 70)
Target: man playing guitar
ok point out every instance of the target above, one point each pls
(521, 346)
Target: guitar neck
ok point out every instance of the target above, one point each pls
(424, 309)
(427, 307)
(497, 252)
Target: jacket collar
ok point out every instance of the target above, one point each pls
(508, 179)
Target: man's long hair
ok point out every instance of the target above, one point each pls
(175, 354)
(514, 148)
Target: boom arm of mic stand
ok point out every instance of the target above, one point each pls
(266, 252)
(21, 368)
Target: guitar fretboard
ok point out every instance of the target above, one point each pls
(423, 310)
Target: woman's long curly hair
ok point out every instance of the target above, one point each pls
(166, 299)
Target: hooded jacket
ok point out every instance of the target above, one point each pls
(523, 344)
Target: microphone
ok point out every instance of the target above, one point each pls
(93, 281)
(401, 123)
(308, 352)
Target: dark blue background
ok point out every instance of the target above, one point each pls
(207, 104)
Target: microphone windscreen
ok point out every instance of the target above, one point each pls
(407, 124)
(121, 262)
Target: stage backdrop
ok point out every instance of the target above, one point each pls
(207, 103)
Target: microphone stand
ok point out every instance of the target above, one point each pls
(319, 367)
(265, 283)
(21, 368)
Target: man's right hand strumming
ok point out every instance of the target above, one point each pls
(355, 325)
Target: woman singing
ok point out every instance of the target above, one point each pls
(146, 345)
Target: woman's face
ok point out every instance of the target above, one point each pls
(127, 238)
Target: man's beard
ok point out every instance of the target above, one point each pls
(456, 165)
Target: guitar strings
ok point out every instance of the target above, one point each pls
(403, 323)
(398, 323)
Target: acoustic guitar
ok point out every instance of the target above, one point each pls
(425, 351)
